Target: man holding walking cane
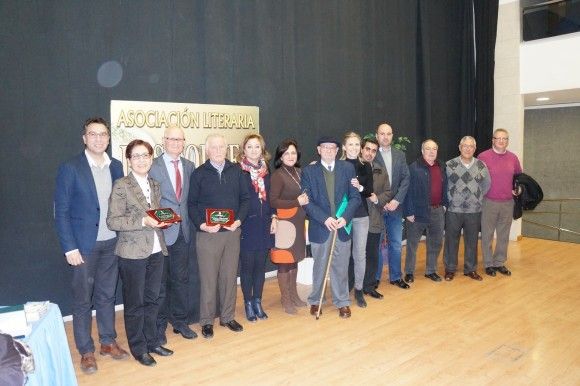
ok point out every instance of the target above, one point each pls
(332, 203)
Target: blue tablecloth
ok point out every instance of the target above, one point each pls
(52, 359)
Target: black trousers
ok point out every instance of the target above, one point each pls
(173, 303)
(252, 267)
(373, 240)
(141, 283)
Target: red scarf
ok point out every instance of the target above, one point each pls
(257, 174)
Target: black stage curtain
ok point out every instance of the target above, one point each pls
(313, 68)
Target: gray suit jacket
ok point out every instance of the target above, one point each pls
(168, 199)
(127, 207)
(400, 177)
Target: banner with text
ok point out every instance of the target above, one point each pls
(148, 120)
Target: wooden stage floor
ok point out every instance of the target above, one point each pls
(517, 330)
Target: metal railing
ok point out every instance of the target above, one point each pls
(560, 212)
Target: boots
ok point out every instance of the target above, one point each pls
(250, 315)
(283, 281)
(257, 306)
(293, 292)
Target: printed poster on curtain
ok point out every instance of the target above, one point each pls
(148, 120)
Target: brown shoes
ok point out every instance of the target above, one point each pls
(474, 275)
(88, 363)
(344, 312)
(314, 309)
(114, 351)
(449, 276)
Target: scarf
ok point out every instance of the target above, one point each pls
(257, 174)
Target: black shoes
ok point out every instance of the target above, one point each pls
(233, 325)
(250, 314)
(490, 271)
(374, 294)
(433, 276)
(503, 270)
(146, 360)
(401, 284)
(207, 331)
(360, 299)
(409, 278)
(258, 310)
(185, 331)
(161, 351)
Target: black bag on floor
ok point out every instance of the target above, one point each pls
(16, 361)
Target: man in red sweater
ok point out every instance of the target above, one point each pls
(498, 203)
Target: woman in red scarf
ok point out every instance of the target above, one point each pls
(258, 227)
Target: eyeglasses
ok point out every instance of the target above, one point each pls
(499, 139)
(329, 147)
(92, 134)
(430, 148)
(137, 157)
(174, 140)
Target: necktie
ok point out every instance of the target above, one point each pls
(329, 168)
(177, 179)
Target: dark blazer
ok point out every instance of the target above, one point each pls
(318, 208)
(168, 199)
(256, 228)
(76, 205)
(418, 201)
(127, 207)
(400, 177)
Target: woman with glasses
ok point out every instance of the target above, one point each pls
(141, 249)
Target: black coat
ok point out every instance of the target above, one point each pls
(531, 194)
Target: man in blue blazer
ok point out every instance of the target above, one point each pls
(81, 200)
(396, 164)
(173, 173)
(328, 184)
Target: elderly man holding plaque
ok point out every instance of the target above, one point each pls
(173, 172)
(218, 203)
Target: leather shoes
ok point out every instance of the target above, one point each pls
(114, 351)
(503, 270)
(490, 271)
(146, 360)
(374, 294)
(185, 332)
(449, 276)
(162, 351)
(233, 325)
(433, 276)
(409, 278)
(344, 312)
(474, 275)
(360, 299)
(207, 331)
(314, 309)
(401, 284)
(88, 363)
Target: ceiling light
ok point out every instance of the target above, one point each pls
(542, 99)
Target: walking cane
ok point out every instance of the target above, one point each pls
(326, 272)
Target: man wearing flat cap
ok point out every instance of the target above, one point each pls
(332, 204)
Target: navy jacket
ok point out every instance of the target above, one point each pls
(418, 201)
(318, 208)
(209, 189)
(76, 205)
(256, 228)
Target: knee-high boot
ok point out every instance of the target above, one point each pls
(283, 281)
(293, 291)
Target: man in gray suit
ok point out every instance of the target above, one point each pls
(173, 173)
(396, 164)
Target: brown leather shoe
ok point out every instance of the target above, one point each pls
(474, 275)
(88, 363)
(314, 309)
(344, 312)
(449, 276)
(114, 351)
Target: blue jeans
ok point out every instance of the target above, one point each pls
(394, 227)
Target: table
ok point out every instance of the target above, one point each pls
(49, 345)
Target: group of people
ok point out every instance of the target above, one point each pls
(353, 203)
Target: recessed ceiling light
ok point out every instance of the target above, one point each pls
(542, 99)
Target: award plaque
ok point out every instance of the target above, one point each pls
(215, 216)
(164, 215)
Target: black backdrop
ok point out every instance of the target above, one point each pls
(312, 67)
